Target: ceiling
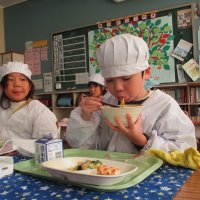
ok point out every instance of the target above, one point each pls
(7, 3)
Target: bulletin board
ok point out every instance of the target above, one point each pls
(36, 56)
(74, 51)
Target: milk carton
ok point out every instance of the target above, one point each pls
(6, 165)
(48, 149)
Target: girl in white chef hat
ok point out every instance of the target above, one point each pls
(96, 86)
(20, 116)
(162, 124)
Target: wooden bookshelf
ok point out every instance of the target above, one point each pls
(51, 101)
(190, 103)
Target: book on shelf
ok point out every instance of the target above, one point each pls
(181, 95)
(198, 94)
(195, 111)
(195, 95)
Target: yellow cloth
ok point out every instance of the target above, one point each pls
(190, 158)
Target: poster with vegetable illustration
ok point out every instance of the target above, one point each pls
(158, 33)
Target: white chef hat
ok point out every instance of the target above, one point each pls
(97, 78)
(123, 55)
(15, 67)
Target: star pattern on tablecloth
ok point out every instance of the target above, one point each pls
(24, 187)
(163, 183)
(4, 193)
(44, 188)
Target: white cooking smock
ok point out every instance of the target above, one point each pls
(33, 120)
(166, 126)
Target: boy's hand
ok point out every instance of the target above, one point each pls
(89, 105)
(133, 131)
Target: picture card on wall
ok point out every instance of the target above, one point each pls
(182, 50)
(192, 69)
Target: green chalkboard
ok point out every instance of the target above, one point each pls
(70, 57)
(74, 50)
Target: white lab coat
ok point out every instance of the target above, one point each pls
(164, 123)
(32, 121)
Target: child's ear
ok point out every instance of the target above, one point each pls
(147, 73)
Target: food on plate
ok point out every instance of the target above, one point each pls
(98, 166)
(88, 164)
(107, 170)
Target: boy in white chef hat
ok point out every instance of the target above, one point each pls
(20, 116)
(162, 124)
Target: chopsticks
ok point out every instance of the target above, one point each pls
(108, 104)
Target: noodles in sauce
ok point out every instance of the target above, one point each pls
(122, 104)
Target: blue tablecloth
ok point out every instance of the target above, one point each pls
(162, 184)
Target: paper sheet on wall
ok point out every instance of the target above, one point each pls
(32, 58)
(81, 78)
(38, 84)
(192, 69)
(181, 50)
(47, 77)
(44, 54)
(28, 45)
(184, 18)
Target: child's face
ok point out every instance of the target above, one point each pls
(95, 90)
(17, 87)
(128, 87)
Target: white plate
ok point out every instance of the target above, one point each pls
(62, 168)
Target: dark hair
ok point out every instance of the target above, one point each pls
(103, 88)
(95, 84)
(4, 100)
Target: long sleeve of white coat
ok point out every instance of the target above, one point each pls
(81, 133)
(44, 122)
(166, 125)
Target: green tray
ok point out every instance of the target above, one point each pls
(146, 166)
